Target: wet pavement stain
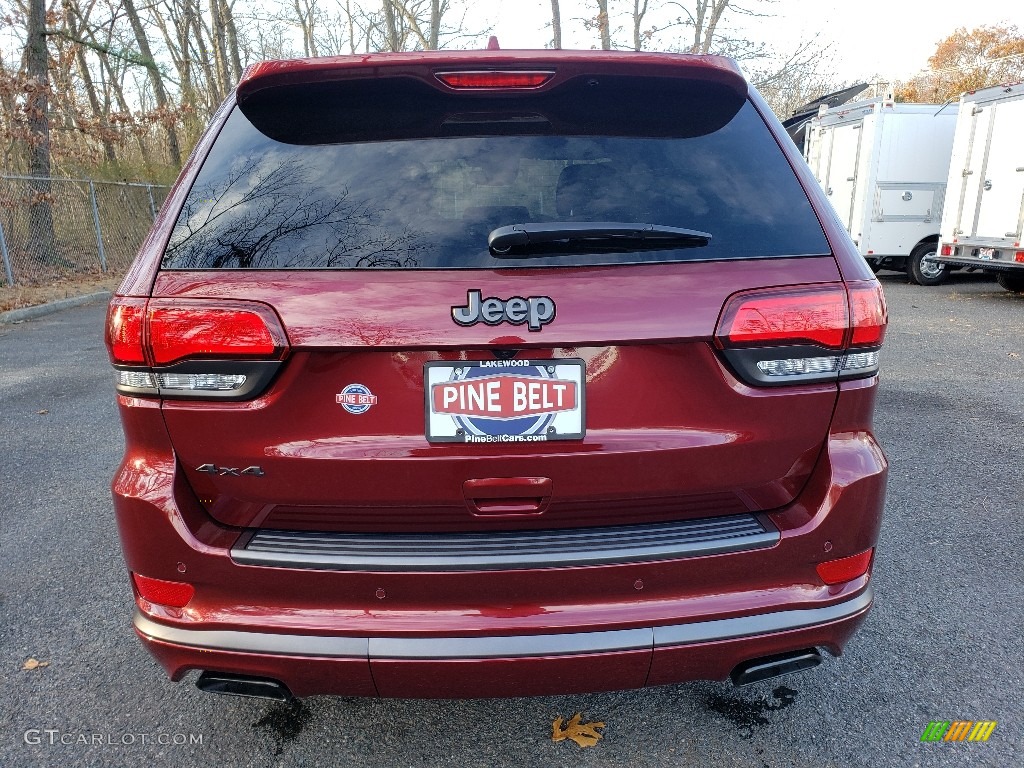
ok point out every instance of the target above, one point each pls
(285, 722)
(747, 714)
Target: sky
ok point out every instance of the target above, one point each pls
(888, 38)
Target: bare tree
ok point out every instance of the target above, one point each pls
(801, 77)
(234, 55)
(307, 16)
(393, 40)
(556, 25)
(219, 36)
(37, 104)
(603, 24)
(705, 23)
(639, 11)
(155, 79)
(71, 17)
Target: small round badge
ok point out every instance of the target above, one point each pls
(356, 398)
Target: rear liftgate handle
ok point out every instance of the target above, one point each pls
(507, 496)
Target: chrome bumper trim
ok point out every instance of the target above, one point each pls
(494, 647)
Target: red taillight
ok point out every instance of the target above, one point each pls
(494, 79)
(1019, 257)
(946, 250)
(174, 594)
(213, 349)
(803, 335)
(784, 317)
(868, 315)
(178, 330)
(846, 568)
(125, 320)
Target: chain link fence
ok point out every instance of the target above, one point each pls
(55, 228)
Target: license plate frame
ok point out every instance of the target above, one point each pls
(461, 417)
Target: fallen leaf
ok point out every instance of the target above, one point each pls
(31, 664)
(42, 412)
(584, 734)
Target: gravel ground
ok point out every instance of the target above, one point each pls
(943, 642)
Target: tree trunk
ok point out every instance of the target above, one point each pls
(604, 25)
(232, 30)
(556, 25)
(155, 79)
(220, 44)
(307, 23)
(435, 24)
(698, 25)
(41, 243)
(351, 27)
(639, 11)
(177, 46)
(392, 40)
(705, 25)
(198, 27)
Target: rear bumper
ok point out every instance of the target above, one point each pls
(515, 665)
(513, 630)
(987, 264)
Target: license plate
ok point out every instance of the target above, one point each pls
(504, 401)
(986, 253)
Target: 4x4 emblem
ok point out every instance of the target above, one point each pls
(213, 469)
(535, 311)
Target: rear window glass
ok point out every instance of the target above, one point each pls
(404, 184)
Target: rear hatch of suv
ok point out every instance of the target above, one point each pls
(495, 297)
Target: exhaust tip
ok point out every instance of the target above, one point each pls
(230, 684)
(767, 667)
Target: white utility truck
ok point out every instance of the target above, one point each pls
(983, 222)
(883, 166)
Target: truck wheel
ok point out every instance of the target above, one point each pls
(923, 268)
(1011, 282)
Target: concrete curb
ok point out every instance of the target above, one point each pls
(28, 313)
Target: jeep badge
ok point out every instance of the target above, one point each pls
(535, 311)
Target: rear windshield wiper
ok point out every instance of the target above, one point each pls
(521, 241)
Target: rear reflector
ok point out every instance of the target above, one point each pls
(797, 316)
(491, 79)
(845, 569)
(174, 594)
(224, 329)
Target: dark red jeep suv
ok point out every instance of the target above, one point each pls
(496, 373)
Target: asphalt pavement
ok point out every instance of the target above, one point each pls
(942, 643)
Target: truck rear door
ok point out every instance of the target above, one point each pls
(841, 181)
(976, 138)
(1002, 185)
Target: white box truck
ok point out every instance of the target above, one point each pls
(983, 221)
(883, 166)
